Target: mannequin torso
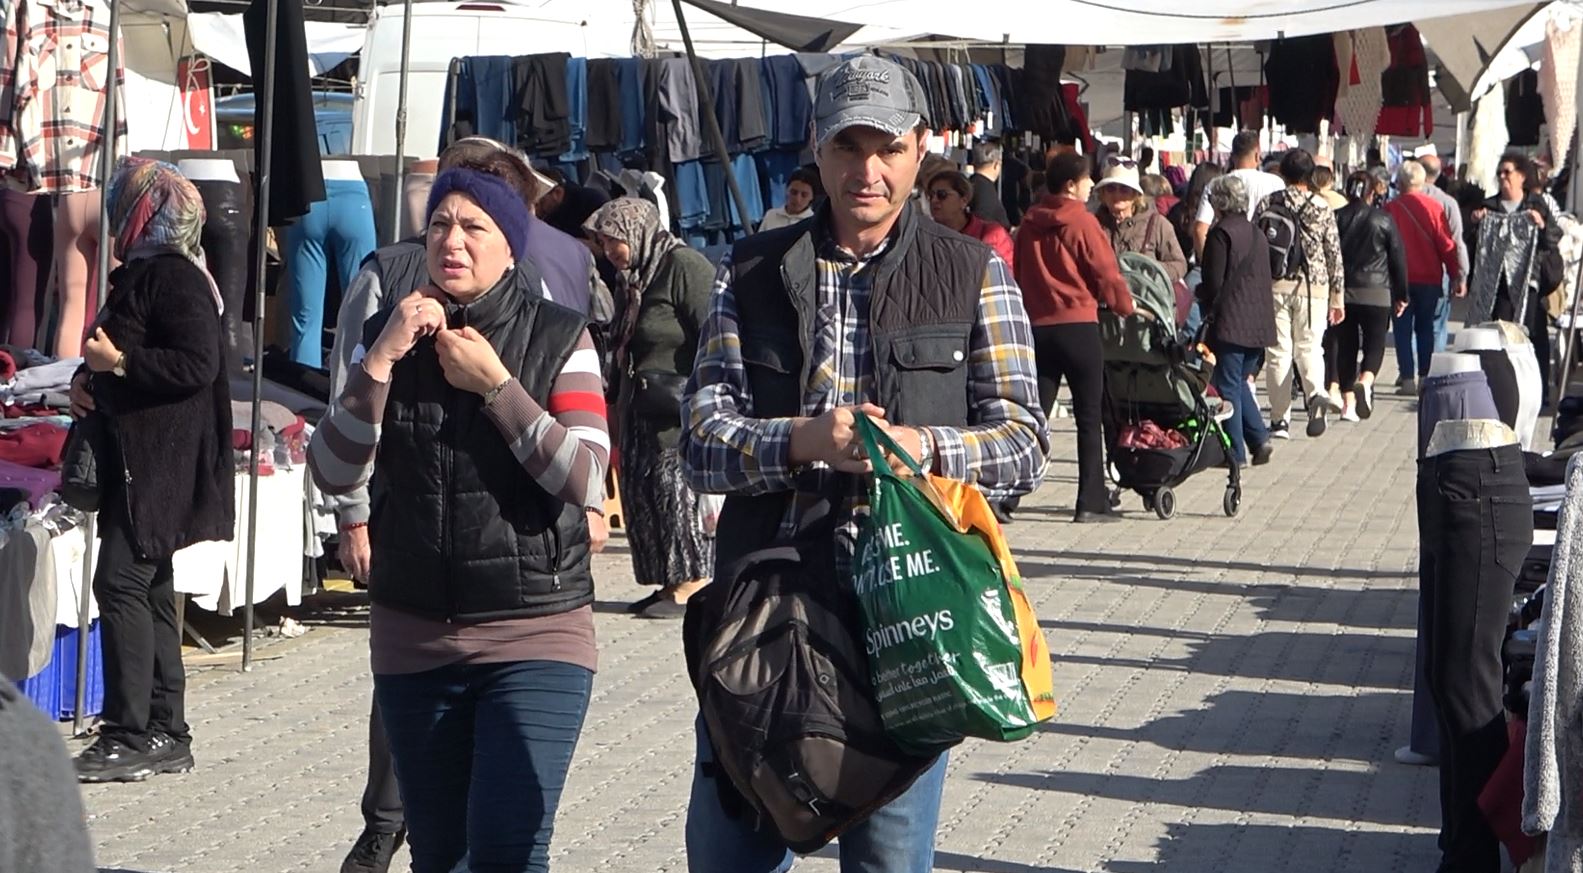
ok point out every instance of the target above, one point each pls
(1451, 363)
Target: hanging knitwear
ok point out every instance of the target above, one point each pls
(1488, 139)
(1362, 56)
(1558, 84)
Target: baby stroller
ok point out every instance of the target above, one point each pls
(1161, 430)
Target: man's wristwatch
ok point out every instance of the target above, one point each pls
(120, 366)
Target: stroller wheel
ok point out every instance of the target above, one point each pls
(1165, 503)
(1232, 502)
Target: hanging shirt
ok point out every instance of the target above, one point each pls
(54, 80)
(1404, 87)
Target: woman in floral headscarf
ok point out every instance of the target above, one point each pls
(664, 289)
(154, 369)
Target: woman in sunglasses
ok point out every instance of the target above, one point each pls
(949, 195)
(1133, 224)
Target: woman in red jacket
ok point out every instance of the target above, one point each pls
(949, 195)
(1067, 270)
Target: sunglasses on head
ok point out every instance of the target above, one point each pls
(1126, 163)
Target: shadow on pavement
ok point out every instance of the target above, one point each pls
(1249, 848)
(1284, 655)
(959, 861)
(1199, 564)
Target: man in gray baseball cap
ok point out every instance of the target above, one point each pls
(865, 307)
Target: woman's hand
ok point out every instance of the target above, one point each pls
(469, 361)
(81, 397)
(1479, 213)
(1538, 217)
(418, 315)
(100, 352)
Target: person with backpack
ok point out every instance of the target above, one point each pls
(1376, 268)
(1247, 165)
(1310, 292)
(1067, 270)
(866, 307)
(1431, 256)
(1240, 314)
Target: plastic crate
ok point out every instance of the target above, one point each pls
(54, 689)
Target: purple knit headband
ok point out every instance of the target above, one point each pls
(492, 195)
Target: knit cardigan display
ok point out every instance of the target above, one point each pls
(1553, 765)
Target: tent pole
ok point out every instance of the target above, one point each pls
(107, 146)
(706, 103)
(401, 125)
(1461, 147)
(262, 148)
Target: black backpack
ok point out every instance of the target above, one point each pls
(1282, 227)
(774, 648)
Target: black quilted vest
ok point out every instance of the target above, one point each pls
(927, 287)
(459, 530)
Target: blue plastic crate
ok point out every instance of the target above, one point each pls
(54, 689)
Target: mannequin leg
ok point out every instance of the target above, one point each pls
(29, 230)
(306, 277)
(76, 258)
(352, 233)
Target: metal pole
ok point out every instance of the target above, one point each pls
(706, 102)
(262, 147)
(1572, 333)
(85, 595)
(399, 198)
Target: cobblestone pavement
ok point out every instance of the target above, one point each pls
(1231, 693)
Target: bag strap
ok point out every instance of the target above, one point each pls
(876, 442)
(1407, 207)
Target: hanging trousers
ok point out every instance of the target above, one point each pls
(27, 224)
(227, 232)
(144, 680)
(1073, 352)
(1538, 326)
(1475, 519)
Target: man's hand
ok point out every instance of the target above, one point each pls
(100, 352)
(598, 531)
(469, 361)
(1460, 289)
(1337, 315)
(832, 439)
(81, 398)
(1401, 307)
(355, 553)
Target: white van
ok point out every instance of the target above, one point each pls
(442, 30)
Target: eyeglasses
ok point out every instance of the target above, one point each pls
(940, 193)
(1125, 163)
(1505, 171)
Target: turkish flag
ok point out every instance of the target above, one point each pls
(197, 102)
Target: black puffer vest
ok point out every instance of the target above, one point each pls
(927, 287)
(459, 530)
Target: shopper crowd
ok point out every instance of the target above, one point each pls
(536, 350)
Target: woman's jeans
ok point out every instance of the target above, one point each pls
(898, 838)
(340, 227)
(1233, 365)
(481, 754)
(1415, 329)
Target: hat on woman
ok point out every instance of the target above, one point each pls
(1122, 174)
(503, 204)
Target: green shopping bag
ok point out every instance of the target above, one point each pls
(953, 645)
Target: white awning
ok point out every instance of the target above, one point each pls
(222, 38)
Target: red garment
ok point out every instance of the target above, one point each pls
(1407, 108)
(7, 367)
(1066, 266)
(30, 410)
(1501, 801)
(36, 445)
(1164, 202)
(1430, 248)
(993, 235)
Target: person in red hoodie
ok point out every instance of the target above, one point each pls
(1431, 255)
(1067, 270)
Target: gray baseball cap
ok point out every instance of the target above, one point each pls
(867, 91)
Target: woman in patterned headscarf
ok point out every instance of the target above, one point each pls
(154, 370)
(663, 299)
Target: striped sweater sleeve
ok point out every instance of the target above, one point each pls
(565, 448)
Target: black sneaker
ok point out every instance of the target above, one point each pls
(373, 851)
(1261, 454)
(170, 754)
(1364, 395)
(1318, 410)
(110, 760)
(1280, 430)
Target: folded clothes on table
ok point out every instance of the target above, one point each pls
(37, 483)
(37, 445)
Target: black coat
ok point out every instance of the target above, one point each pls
(1371, 252)
(171, 413)
(987, 202)
(1235, 290)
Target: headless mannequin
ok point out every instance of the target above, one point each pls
(1451, 363)
(1478, 339)
(344, 171)
(1485, 345)
(209, 170)
(76, 265)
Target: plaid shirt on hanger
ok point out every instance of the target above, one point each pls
(53, 85)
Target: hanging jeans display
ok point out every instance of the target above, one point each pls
(227, 231)
(1475, 519)
(340, 231)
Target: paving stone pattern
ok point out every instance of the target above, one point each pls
(1231, 692)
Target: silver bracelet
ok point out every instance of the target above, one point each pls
(491, 394)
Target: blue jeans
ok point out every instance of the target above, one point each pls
(481, 754)
(899, 838)
(1246, 427)
(340, 227)
(1416, 327)
(1443, 315)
